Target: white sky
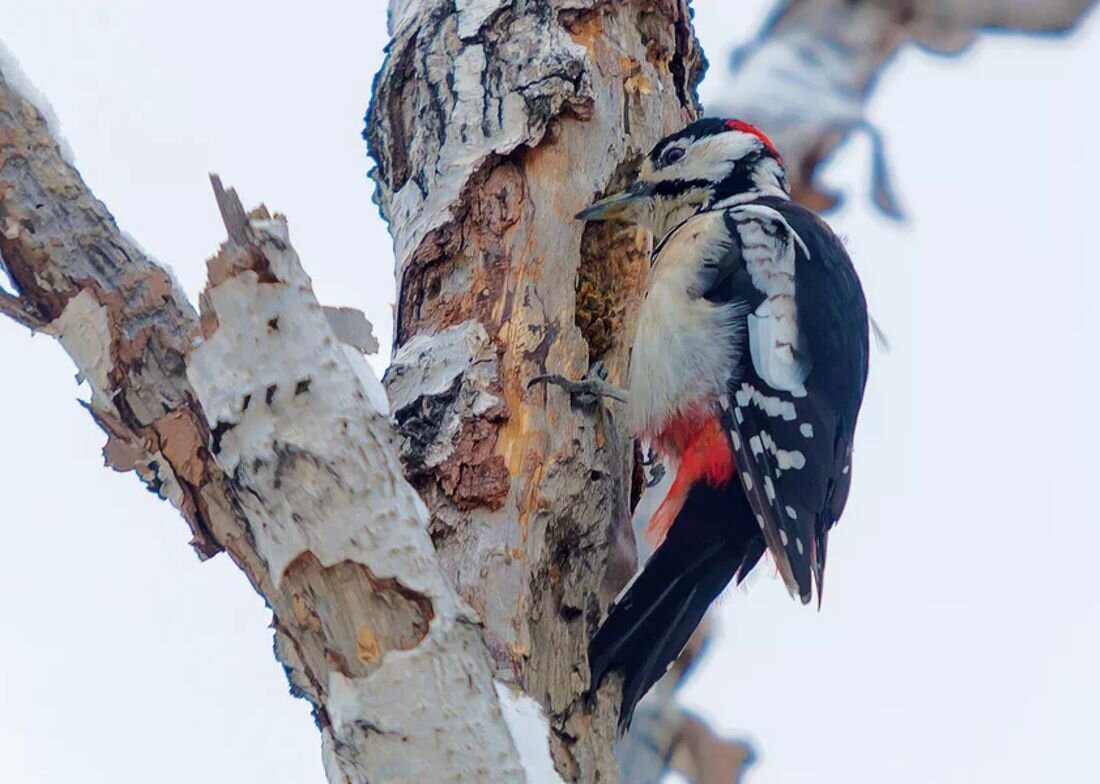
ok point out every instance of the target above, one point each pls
(961, 630)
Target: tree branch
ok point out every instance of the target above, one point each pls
(271, 437)
(807, 76)
(21, 313)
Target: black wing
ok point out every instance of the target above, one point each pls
(793, 447)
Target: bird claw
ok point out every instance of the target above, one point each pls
(586, 392)
(656, 474)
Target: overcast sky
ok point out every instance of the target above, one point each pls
(960, 634)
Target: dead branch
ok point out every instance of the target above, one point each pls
(272, 439)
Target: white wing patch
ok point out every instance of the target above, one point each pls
(775, 343)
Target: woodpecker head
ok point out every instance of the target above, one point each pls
(708, 162)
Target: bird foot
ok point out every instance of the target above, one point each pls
(653, 467)
(655, 474)
(586, 392)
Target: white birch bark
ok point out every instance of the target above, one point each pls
(540, 490)
(492, 123)
(272, 438)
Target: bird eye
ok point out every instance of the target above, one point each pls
(672, 155)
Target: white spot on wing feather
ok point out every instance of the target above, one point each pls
(788, 459)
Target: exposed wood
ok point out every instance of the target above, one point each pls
(492, 124)
(272, 438)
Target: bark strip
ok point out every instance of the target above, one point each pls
(272, 438)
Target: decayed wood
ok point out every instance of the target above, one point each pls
(272, 438)
(807, 76)
(492, 123)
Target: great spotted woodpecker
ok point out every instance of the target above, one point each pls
(747, 375)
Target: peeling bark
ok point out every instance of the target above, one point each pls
(122, 318)
(272, 437)
(492, 124)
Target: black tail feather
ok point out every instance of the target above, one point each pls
(646, 629)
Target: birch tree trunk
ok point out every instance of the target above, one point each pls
(492, 124)
(273, 440)
(405, 619)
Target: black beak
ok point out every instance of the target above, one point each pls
(618, 204)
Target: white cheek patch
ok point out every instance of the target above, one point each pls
(710, 159)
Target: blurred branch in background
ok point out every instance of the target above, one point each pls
(806, 79)
(808, 74)
(665, 737)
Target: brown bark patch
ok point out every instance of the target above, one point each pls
(182, 445)
(353, 632)
(460, 270)
(586, 27)
(368, 650)
(474, 475)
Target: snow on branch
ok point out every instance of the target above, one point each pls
(807, 76)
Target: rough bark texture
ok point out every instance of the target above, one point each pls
(492, 123)
(273, 440)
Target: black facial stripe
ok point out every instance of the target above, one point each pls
(670, 188)
(739, 180)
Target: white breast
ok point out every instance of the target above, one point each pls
(685, 348)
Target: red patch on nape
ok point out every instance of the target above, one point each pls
(705, 454)
(744, 127)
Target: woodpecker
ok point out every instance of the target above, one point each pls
(747, 375)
